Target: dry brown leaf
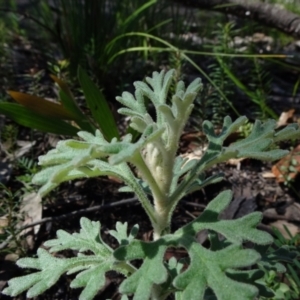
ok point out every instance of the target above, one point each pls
(191, 141)
(3, 223)
(12, 257)
(288, 167)
(291, 213)
(292, 228)
(285, 117)
(192, 155)
(25, 146)
(31, 207)
(31, 210)
(235, 161)
(268, 175)
(53, 139)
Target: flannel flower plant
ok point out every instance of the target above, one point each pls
(226, 270)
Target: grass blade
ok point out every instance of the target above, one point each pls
(69, 102)
(98, 106)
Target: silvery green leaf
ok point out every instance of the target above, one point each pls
(121, 233)
(146, 91)
(194, 87)
(160, 83)
(265, 156)
(291, 131)
(129, 151)
(129, 112)
(180, 86)
(87, 239)
(51, 268)
(140, 123)
(91, 268)
(262, 137)
(92, 280)
(231, 229)
(150, 273)
(52, 176)
(167, 179)
(98, 138)
(207, 268)
(227, 129)
(128, 100)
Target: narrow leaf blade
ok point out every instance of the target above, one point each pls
(69, 102)
(42, 106)
(28, 118)
(98, 106)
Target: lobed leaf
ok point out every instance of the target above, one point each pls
(91, 280)
(220, 269)
(87, 239)
(230, 229)
(51, 269)
(150, 273)
(91, 268)
(121, 233)
(262, 137)
(208, 269)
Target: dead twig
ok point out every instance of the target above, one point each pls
(69, 215)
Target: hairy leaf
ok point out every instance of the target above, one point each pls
(91, 268)
(207, 268)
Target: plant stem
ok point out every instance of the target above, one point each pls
(203, 164)
(160, 200)
(141, 195)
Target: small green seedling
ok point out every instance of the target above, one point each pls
(226, 270)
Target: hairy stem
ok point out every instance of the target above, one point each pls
(160, 199)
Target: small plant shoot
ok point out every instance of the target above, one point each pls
(225, 270)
